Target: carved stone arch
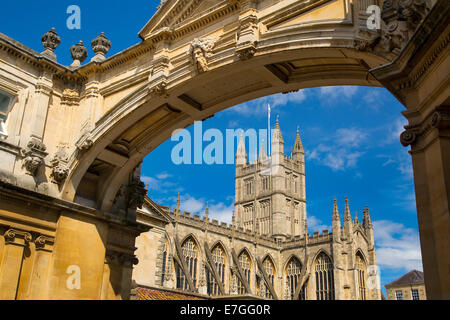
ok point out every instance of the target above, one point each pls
(363, 256)
(270, 257)
(191, 235)
(317, 254)
(286, 262)
(91, 144)
(224, 248)
(246, 250)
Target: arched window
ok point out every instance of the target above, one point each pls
(324, 278)
(270, 271)
(190, 253)
(293, 271)
(245, 263)
(361, 274)
(218, 257)
(164, 263)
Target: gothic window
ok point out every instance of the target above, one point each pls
(265, 183)
(164, 261)
(361, 274)
(293, 271)
(270, 271)
(218, 257)
(324, 278)
(265, 217)
(5, 104)
(249, 186)
(245, 263)
(296, 184)
(248, 217)
(190, 253)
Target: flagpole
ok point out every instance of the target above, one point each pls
(268, 132)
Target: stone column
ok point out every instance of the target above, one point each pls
(11, 264)
(38, 289)
(430, 151)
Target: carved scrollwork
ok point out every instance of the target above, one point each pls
(12, 234)
(408, 137)
(42, 241)
(401, 18)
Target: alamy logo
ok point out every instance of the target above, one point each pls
(74, 20)
(73, 282)
(374, 19)
(190, 150)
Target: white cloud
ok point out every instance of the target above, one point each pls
(398, 247)
(331, 95)
(339, 154)
(163, 175)
(258, 107)
(350, 137)
(222, 212)
(316, 225)
(161, 183)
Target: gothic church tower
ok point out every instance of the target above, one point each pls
(270, 193)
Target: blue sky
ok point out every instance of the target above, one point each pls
(350, 134)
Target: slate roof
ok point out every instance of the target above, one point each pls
(164, 294)
(411, 277)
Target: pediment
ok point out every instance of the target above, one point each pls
(174, 13)
(307, 12)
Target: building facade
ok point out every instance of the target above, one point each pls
(410, 286)
(267, 251)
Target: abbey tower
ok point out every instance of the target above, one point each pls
(270, 193)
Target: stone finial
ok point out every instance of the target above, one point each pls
(368, 221)
(207, 211)
(79, 54)
(347, 215)
(356, 222)
(50, 41)
(335, 209)
(100, 46)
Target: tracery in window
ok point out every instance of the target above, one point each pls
(324, 277)
(361, 274)
(190, 253)
(219, 258)
(269, 268)
(246, 264)
(293, 271)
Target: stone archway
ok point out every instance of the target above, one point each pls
(197, 58)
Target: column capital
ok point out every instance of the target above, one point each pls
(17, 237)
